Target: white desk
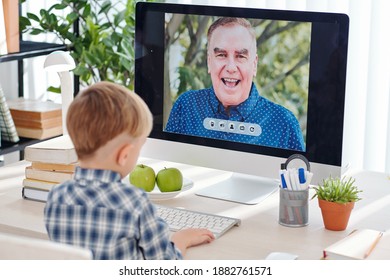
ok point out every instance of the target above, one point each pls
(259, 233)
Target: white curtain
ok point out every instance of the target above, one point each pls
(367, 117)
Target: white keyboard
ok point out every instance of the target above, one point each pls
(178, 218)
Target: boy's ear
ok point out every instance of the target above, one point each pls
(123, 154)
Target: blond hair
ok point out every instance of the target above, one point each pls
(103, 111)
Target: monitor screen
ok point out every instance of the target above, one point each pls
(263, 84)
(236, 94)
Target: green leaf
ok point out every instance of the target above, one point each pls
(117, 38)
(23, 24)
(81, 70)
(127, 48)
(53, 19)
(36, 31)
(72, 17)
(107, 42)
(106, 6)
(63, 28)
(90, 58)
(126, 63)
(105, 26)
(60, 6)
(87, 10)
(54, 89)
(44, 13)
(33, 17)
(119, 17)
(337, 190)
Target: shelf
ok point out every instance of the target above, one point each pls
(28, 49)
(32, 49)
(8, 147)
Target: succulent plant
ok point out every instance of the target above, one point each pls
(337, 190)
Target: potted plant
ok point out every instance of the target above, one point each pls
(336, 198)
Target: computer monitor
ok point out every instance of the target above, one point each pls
(300, 69)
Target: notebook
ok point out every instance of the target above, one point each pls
(357, 245)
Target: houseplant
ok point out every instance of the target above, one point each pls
(336, 198)
(103, 42)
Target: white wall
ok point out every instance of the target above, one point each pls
(9, 79)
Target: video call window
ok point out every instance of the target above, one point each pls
(274, 114)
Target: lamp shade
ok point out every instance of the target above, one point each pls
(59, 61)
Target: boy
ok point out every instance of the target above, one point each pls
(108, 125)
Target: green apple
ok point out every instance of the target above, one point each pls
(143, 177)
(169, 180)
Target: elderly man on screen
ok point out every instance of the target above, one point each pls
(232, 108)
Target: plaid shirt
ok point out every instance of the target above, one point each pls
(116, 221)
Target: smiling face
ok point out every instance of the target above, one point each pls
(232, 63)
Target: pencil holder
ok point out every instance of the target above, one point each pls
(293, 208)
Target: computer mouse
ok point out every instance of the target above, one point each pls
(281, 256)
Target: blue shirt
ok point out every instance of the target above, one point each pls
(278, 126)
(96, 210)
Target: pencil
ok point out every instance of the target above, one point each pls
(373, 245)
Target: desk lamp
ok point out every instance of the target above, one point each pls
(61, 62)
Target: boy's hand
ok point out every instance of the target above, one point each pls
(186, 238)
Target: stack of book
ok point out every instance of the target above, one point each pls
(36, 119)
(52, 162)
(358, 245)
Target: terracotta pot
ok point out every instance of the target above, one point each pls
(335, 215)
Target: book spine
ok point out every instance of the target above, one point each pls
(37, 116)
(39, 133)
(35, 195)
(49, 176)
(58, 150)
(47, 123)
(38, 184)
(53, 167)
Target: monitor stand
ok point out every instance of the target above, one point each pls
(241, 188)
